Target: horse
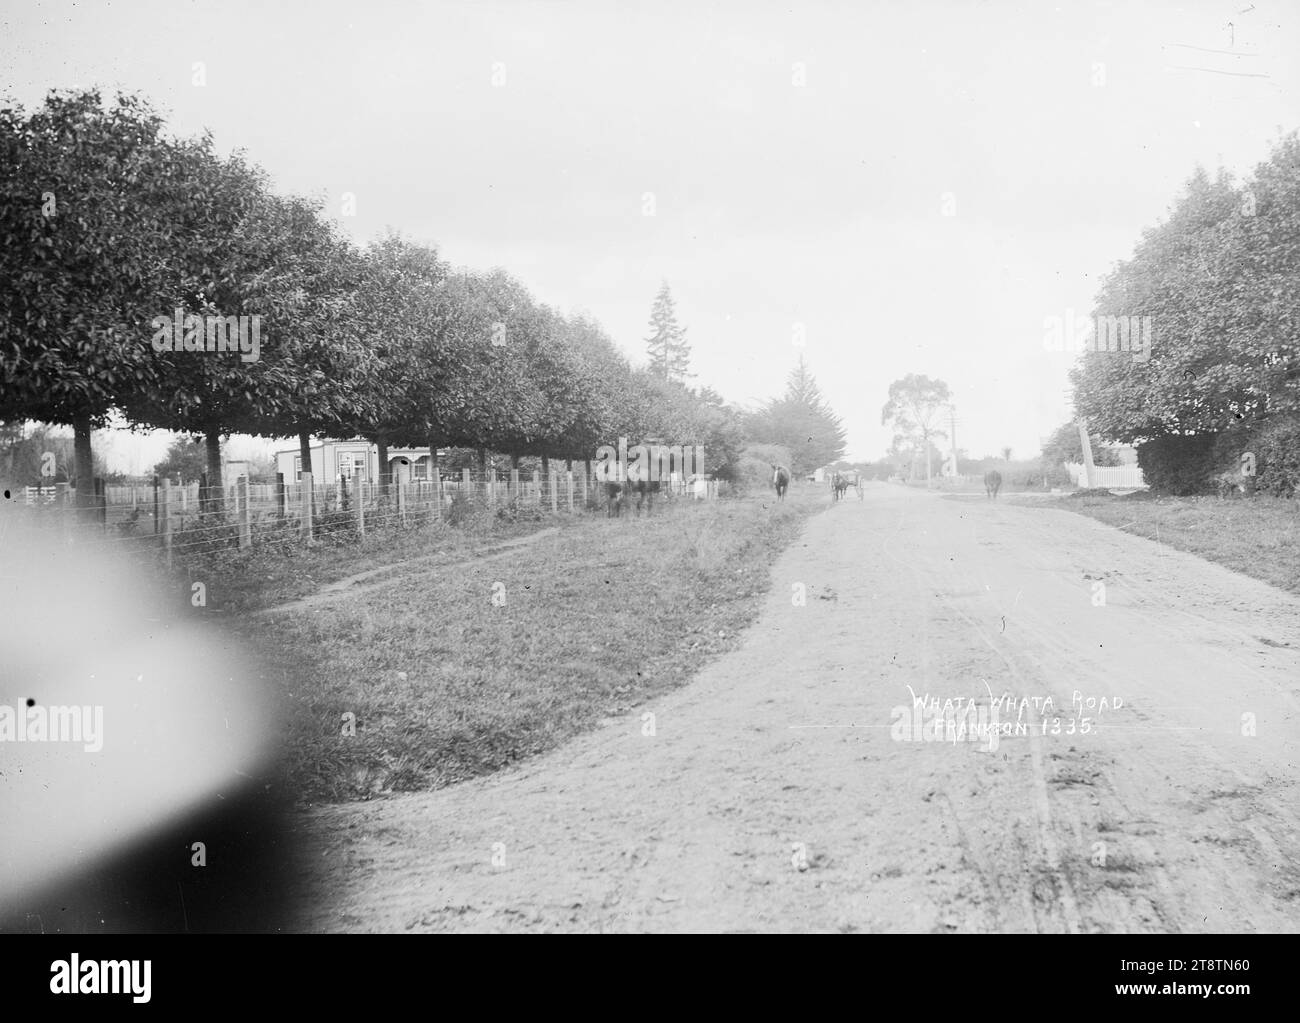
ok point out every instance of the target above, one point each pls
(839, 484)
(780, 480)
(615, 498)
(992, 482)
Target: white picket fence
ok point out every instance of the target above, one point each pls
(1118, 476)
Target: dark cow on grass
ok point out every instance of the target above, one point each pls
(619, 496)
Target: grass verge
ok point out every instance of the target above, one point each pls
(1259, 536)
(445, 683)
(277, 572)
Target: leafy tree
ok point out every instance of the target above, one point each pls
(243, 251)
(914, 407)
(186, 457)
(82, 188)
(1064, 445)
(605, 383)
(1217, 279)
(399, 308)
(23, 451)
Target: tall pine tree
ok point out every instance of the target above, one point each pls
(803, 422)
(670, 354)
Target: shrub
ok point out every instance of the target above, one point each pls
(1056, 476)
(335, 527)
(1276, 447)
(462, 509)
(518, 510)
(1178, 464)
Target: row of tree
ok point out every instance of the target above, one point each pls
(111, 232)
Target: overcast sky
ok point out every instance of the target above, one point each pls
(1059, 132)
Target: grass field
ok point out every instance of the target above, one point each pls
(589, 622)
(267, 575)
(1259, 537)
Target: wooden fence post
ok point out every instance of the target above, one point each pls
(401, 502)
(569, 477)
(514, 484)
(306, 507)
(279, 496)
(359, 499)
(586, 472)
(537, 486)
(555, 487)
(167, 519)
(155, 505)
(245, 512)
(492, 489)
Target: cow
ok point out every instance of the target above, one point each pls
(645, 491)
(992, 482)
(619, 495)
(780, 480)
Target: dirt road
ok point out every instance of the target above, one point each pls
(777, 791)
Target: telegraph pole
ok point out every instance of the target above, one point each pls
(1087, 452)
(1084, 442)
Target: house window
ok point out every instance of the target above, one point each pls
(297, 468)
(352, 465)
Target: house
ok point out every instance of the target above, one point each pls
(332, 460)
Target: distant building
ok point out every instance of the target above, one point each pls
(355, 460)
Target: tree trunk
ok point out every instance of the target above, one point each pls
(482, 461)
(304, 452)
(514, 461)
(85, 469)
(434, 468)
(216, 484)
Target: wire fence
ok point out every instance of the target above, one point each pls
(177, 520)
